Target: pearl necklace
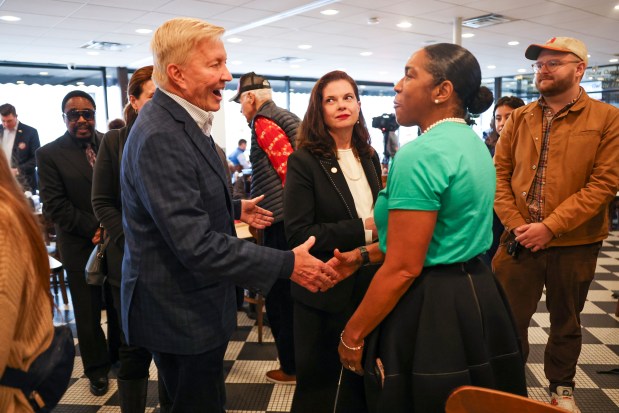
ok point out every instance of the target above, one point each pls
(456, 120)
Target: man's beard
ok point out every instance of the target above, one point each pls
(557, 86)
(74, 132)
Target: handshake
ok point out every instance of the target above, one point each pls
(315, 275)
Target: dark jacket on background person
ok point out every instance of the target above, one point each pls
(23, 155)
(106, 200)
(66, 181)
(264, 177)
(319, 203)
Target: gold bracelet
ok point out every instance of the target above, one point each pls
(347, 346)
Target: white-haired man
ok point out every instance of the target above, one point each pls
(273, 135)
(182, 258)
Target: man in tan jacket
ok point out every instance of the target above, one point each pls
(557, 170)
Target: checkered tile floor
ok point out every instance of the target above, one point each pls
(246, 360)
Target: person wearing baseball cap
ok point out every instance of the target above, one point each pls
(273, 136)
(250, 81)
(557, 171)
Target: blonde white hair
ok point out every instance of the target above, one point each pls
(174, 41)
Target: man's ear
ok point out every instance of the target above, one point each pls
(175, 75)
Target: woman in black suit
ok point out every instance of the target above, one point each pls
(332, 182)
(106, 202)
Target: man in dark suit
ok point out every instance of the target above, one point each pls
(65, 173)
(19, 142)
(182, 258)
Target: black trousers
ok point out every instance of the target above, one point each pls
(195, 383)
(279, 304)
(317, 335)
(134, 360)
(87, 305)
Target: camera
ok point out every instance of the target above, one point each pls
(385, 122)
(513, 248)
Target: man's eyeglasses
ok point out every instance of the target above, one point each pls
(551, 65)
(74, 115)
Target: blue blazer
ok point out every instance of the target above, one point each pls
(182, 257)
(23, 155)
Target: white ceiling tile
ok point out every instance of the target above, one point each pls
(132, 4)
(43, 7)
(193, 8)
(277, 6)
(243, 15)
(155, 19)
(86, 25)
(111, 14)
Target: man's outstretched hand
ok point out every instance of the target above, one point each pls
(309, 272)
(255, 216)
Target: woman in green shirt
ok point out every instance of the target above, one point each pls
(438, 318)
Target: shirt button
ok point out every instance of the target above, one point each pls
(533, 166)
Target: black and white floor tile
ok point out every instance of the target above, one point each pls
(246, 360)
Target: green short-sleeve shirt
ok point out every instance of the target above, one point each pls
(449, 170)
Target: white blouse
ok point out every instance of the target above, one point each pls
(358, 185)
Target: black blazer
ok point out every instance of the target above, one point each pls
(106, 201)
(65, 179)
(317, 201)
(23, 155)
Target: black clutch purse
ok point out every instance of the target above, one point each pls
(96, 266)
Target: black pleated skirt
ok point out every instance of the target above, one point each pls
(453, 327)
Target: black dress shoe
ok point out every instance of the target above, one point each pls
(99, 387)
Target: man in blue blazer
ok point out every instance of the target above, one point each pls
(182, 258)
(19, 142)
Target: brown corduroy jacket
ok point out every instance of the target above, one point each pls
(582, 173)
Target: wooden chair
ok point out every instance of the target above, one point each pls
(258, 301)
(471, 399)
(247, 233)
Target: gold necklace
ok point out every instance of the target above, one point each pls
(360, 170)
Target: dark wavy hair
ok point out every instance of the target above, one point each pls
(511, 101)
(447, 61)
(313, 132)
(139, 77)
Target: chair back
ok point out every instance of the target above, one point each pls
(471, 399)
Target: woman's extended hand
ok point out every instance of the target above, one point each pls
(345, 263)
(351, 353)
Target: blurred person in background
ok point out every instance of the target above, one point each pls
(502, 110)
(65, 178)
(116, 123)
(273, 136)
(19, 142)
(106, 202)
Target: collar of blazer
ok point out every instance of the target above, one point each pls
(75, 156)
(336, 178)
(198, 138)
